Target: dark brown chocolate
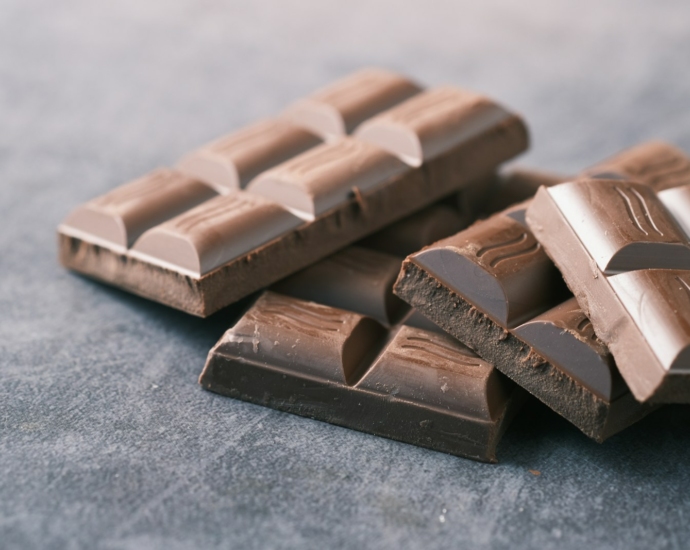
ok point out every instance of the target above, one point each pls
(340, 367)
(355, 279)
(501, 309)
(629, 269)
(306, 208)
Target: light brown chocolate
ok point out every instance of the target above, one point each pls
(231, 162)
(339, 108)
(119, 217)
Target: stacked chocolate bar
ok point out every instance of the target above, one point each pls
(376, 160)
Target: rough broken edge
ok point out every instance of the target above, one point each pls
(594, 416)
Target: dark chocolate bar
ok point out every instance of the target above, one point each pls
(627, 260)
(493, 287)
(407, 384)
(221, 232)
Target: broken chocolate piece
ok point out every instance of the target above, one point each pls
(407, 384)
(643, 315)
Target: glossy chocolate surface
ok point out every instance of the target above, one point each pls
(432, 123)
(355, 279)
(408, 384)
(231, 162)
(641, 314)
(121, 216)
(339, 108)
(326, 177)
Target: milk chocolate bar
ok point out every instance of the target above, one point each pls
(493, 287)
(341, 367)
(627, 260)
(209, 242)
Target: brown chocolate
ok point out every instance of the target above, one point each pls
(324, 178)
(418, 230)
(355, 279)
(518, 185)
(477, 310)
(345, 191)
(118, 218)
(339, 108)
(655, 163)
(231, 162)
(643, 314)
(406, 384)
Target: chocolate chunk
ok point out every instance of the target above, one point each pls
(564, 335)
(643, 315)
(406, 384)
(345, 190)
(355, 279)
(533, 352)
(436, 370)
(623, 225)
(338, 108)
(655, 163)
(501, 268)
(215, 232)
(518, 185)
(417, 231)
(317, 181)
(121, 216)
(677, 202)
(232, 161)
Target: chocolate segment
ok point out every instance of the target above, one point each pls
(215, 232)
(355, 279)
(623, 225)
(319, 180)
(641, 314)
(406, 384)
(435, 369)
(565, 336)
(337, 109)
(677, 202)
(232, 161)
(417, 231)
(501, 268)
(655, 163)
(121, 216)
(432, 123)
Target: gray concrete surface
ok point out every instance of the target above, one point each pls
(106, 441)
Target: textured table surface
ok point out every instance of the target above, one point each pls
(107, 441)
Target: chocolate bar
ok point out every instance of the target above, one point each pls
(627, 260)
(493, 287)
(407, 384)
(217, 232)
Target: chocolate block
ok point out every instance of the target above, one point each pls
(340, 367)
(339, 108)
(231, 162)
(629, 270)
(344, 191)
(483, 310)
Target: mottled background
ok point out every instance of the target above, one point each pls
(107, 441)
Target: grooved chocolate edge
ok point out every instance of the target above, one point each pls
(595, 417)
